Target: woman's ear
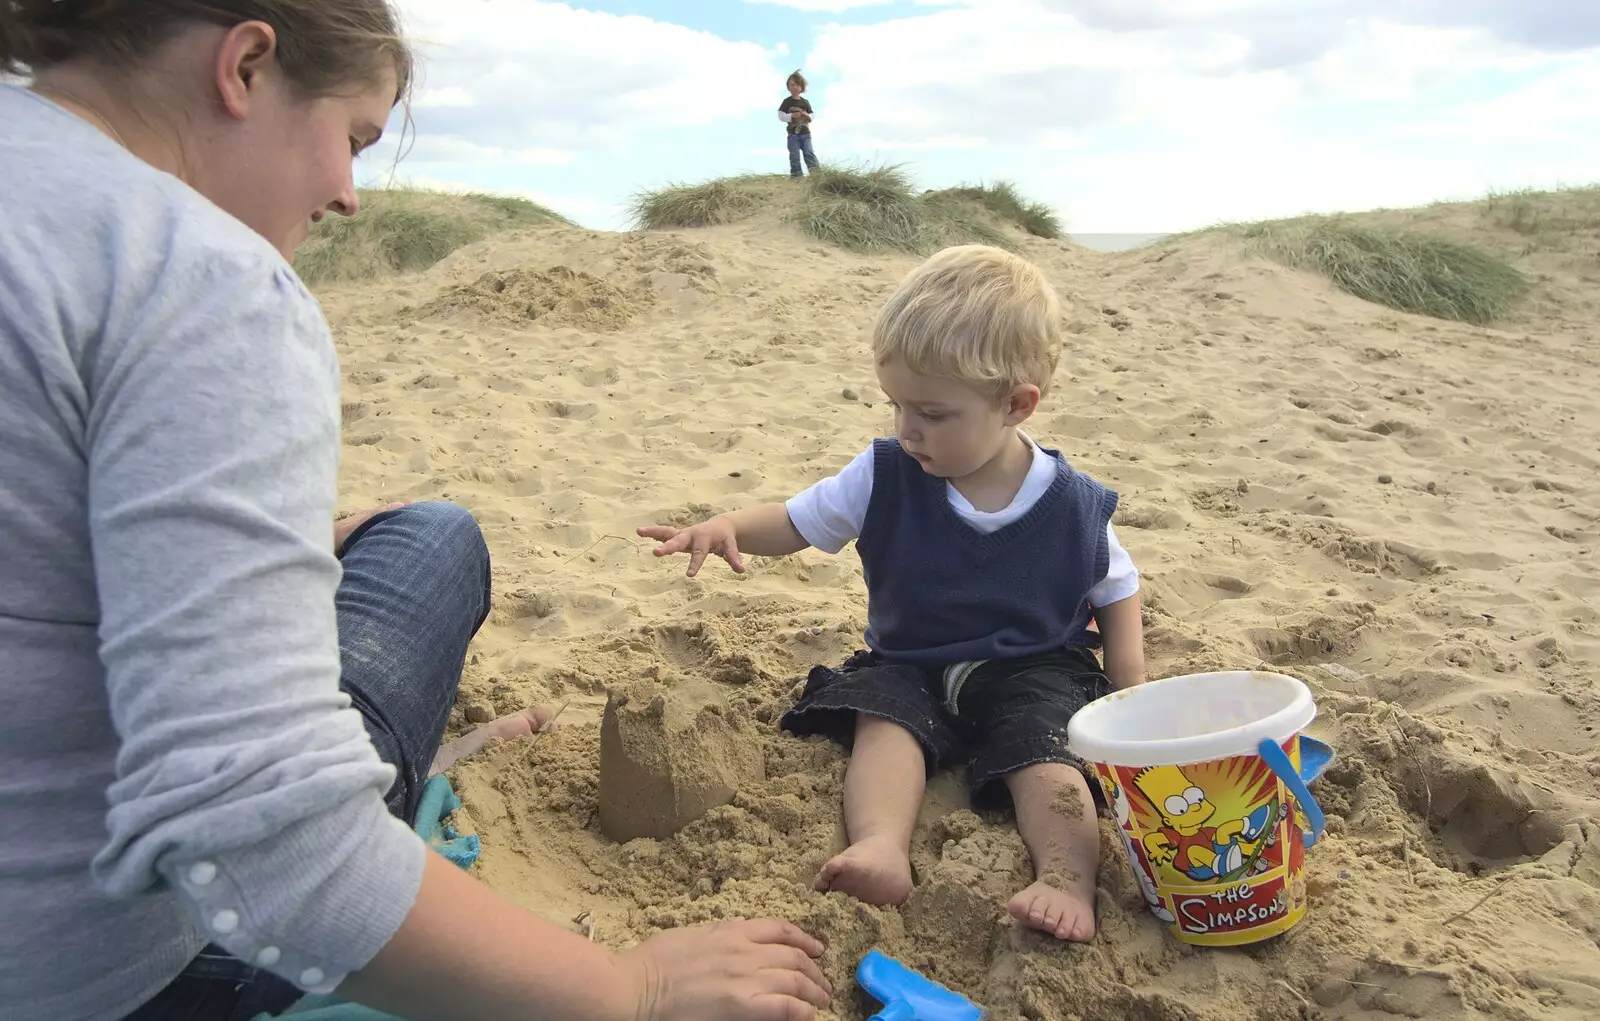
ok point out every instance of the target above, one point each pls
(248, 49)
(1021, 404)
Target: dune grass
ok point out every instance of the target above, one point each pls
(1518, 211)
(864, 210)
(860, 208)
(1002, 199)
(1405, 270)
(874, 209)
(1545, 218)
(404, 229)
(707, 204)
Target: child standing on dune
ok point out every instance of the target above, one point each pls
(796, 112)
(986, 558)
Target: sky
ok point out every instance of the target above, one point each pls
(1126, 116)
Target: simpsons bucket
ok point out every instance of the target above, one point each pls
(1207, 776)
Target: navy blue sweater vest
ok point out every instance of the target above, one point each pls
(941, 592)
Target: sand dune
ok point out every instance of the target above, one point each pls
(1404, 512)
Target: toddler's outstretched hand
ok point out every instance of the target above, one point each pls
(714, 536)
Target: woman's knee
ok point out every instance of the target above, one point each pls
(448, 525)
(449, 531)
(439, 538)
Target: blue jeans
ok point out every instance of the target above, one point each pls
(416, 589)
(800, 145)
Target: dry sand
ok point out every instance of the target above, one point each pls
(1402, 512)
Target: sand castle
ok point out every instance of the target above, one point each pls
(669, 756)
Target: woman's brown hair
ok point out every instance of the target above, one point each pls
(324, 46)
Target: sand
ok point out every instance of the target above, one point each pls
(1402, 512)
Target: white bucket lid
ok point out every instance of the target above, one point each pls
(1192, 718)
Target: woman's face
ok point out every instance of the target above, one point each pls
(283, 162)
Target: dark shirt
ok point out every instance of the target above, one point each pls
(791, 103)
(941, 592)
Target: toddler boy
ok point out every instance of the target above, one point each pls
(986, 558)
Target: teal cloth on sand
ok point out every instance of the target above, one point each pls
(438, 801)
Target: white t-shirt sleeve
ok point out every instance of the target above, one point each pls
(831, 513)
(1122, 578)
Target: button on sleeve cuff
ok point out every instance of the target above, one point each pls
(314, 903)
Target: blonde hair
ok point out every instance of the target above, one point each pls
(975, 314)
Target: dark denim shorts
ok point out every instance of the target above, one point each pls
(1007, 714)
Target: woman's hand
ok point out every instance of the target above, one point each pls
(732, 971)
(346, 526)
(715, 536)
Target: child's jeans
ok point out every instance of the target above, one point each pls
(800, 145)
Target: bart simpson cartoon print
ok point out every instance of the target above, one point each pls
(1184, 841)
(1147, 883)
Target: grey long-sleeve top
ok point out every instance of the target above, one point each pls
(177, 763)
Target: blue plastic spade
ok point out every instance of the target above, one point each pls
(908, 996)
(1314, 758)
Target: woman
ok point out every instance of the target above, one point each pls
(208, 730)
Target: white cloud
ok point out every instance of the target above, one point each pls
(1183, 187)
(532, 75)
(1296, 30)
(1558, 107)
(1019, 72)
(1541, 135)
(1387, 62)
(447, 149)
(1177, 114)
(1054, 139)
(826, 6)
(450, 95)
(946, 142)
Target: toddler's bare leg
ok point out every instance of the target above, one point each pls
(1055, 816)
(882, 795)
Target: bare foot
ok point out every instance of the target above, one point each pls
(507, 728)
(875, 871)
(1065, 912)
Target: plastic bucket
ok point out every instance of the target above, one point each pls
(1204, 775)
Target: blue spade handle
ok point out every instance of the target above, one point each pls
(1278, 761)
(909, 996)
